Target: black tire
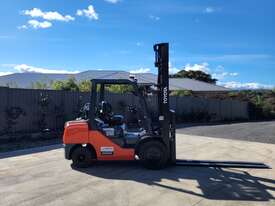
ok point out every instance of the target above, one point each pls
(153, 155)
(82, 157)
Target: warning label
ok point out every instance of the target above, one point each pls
(107, 150)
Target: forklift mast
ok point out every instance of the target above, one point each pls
(166, 116)
(161, 62)
(162, 59)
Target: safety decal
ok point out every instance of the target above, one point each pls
(107, 150)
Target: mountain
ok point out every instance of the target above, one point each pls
(25, 80)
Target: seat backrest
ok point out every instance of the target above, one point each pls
(104, 111)
(105, 107)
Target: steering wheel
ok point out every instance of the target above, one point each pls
(132, 109)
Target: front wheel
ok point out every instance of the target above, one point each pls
(153, 155)
(82, 157)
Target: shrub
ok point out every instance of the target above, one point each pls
(232, 94)
(261, 103)
(67, 85)
(121, 89)
(181, 93)
(85, 86)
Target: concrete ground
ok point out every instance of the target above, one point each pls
(249, 131)
(43, 177)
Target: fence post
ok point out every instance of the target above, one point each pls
(220, 111)
(4, 103)
(231, 109)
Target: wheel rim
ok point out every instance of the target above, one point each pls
(153, 154)
(81, 158)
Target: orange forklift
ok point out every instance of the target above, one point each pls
(104, 136)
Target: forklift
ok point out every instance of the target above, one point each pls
(104, 136)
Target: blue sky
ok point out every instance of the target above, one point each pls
(232, 40)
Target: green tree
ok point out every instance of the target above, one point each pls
(39, 85)
(57, 85)
(71, 85)
(67, 85)
(119, 88)
(85, 86)
(181, 93)
(197, 75)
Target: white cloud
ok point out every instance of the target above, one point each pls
(222, 75)
(155, 18)
(50, 15)
(37, 24)
(112, 1)
(217, 73)
(22, 27)
(204, 67)
(89, 13)
(7, 65)
(23, 68)
(209, 10)
(234, 74)
(173, 70)
(249, 85)
(141, 70)
(5, 73)
(139, 44)
(6, 37)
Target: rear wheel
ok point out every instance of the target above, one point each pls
(82, 157)
(153, 155)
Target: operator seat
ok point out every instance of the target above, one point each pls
(105, 113)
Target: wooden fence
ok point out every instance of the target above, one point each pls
(28, 110)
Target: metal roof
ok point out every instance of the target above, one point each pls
(194, 85)
(25, 79)
(175, 83)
